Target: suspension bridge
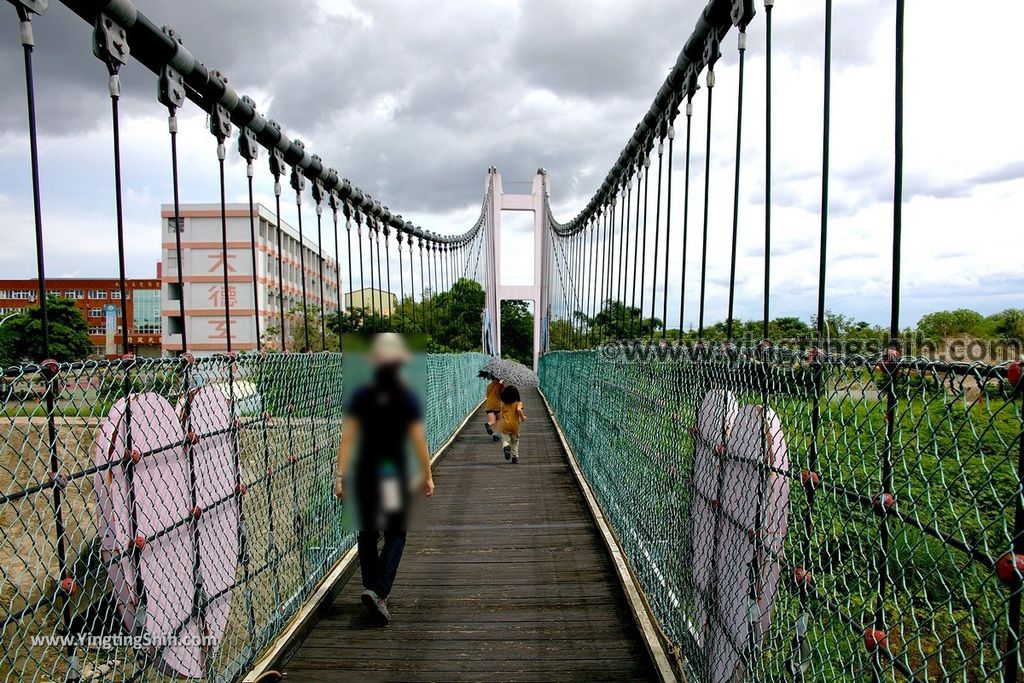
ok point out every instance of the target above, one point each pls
(705, 509)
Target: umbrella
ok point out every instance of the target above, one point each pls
(511, 372)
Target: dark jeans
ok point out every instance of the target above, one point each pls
(379, 569)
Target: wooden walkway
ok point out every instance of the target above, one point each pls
(505, 578)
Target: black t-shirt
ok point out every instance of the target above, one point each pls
(384, 421)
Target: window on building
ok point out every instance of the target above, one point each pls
(95, 312)
(97, 294)
(74, 294)
(115, 294)
(171, 225)
(146, 311)
(172, 262)
(97, 330)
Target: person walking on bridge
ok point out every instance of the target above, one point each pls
(380, 421)
(512, 416)
(492, 405)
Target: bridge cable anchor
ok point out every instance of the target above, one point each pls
(170, 84)
(278, 167)
(220, 120)
(298, 180)
(248, 147)
(26, 8)
(110, 45)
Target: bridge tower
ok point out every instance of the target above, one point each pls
(538, 290)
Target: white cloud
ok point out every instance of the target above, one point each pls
(413, 103)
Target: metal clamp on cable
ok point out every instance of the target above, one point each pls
(712, 53)
(30, 7)
(333, 197)
(171, 84)
(248, 147)
(691, 84)
(277, 166)
(742, 13)
(26, 8)
(318, 187)
(110, 44)
(220, 120)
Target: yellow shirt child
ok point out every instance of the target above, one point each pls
(512, 416)
(493, 402)
(492, 405)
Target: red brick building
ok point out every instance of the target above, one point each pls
(98, 299)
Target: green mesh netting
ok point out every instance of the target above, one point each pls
(762, 564)
(287, 411)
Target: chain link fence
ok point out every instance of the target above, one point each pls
(173, 533)
(796, 516)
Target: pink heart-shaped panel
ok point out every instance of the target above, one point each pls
(714, 423)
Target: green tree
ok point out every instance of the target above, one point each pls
(457, 316)
(450, 320)
(517, 331)
(788, 328)
(945, 324)
(618, 321)
(1008, 324)
(298, 323)
(22, 336)
(560, 335)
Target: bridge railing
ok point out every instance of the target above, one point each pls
(769, 548)
(164, 518)
(792, 513)
(175, 532)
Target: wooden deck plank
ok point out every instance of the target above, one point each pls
(504, 578)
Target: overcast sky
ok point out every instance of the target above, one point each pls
(413, 101)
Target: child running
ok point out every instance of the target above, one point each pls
(512, 416)
(492, 405)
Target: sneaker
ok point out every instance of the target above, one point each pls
(515, 459)
(375, 605)
(508, 452)
(488, 428)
